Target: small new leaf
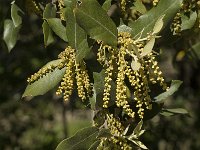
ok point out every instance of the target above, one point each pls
(135, 65)
(158, 25)
(148, 47)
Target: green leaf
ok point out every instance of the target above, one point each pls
(99, 88)
(76, 36)
(106, 5)
(145, 23)
(104, 133)
(83, 139)
(96, 22)
(95, 145)
(49, 11)
(47, 82)
(57, 26)
(188, 23)
(139, 143)
(10, 34)
(138, 128)
(135, 65)
(158, 25)
(173, 88)
(93, 99)
(139, 6)
(48, 36)
(16, 18)
(177, 111)
(148, 47)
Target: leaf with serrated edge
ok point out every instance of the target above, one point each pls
(147, 21)
(99, 28)
(47, 82)
(148, 47)
(173, 88)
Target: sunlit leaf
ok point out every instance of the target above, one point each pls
(148, 47)
(83, 139)
(158, 25)
(138, 128)
(135, 65)
(99, 28)
(47, 82)
(147, 21)
(173, 88)
(124, 28)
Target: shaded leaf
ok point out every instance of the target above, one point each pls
(106, 5)
(99, 28)
(188, 23)
(16, 18)
(177, 111)
(48, 36)
(95, 145)
(147, 21)
(10, 34)
(83, 139)
(139, 6)
(104, 133)
(173, 88)
(47, 82)
(76, 36)
(49, 11)
(57, 26)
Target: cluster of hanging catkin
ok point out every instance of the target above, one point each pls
(188, 6)
(148, 73)
(74, 72)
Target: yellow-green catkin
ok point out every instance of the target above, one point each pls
(155, 2)
(33, 7)
(61, 9)
(67, 83)
(140, 79)
(116, 129)
(176, 24)
(123, 4)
